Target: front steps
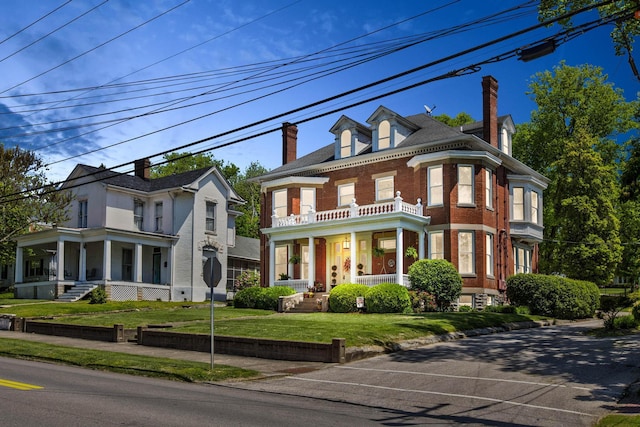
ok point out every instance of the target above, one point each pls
(308, 305)
(77, 292)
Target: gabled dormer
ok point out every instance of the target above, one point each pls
(352, 138)
(389, 129)
(506, 129)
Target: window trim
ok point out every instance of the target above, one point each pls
(472, 253)
(378, 181)
(208, 219)
(138, 214)
(432, 235)
(340, 196)
(471, 185)
(276, 207)
(431, 188)
(488, 191)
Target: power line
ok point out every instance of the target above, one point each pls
(456, 73)
(34, 22)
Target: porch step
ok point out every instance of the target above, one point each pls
(308, 305)
(77, 292)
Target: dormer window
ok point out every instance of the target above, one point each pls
(384, 135)
(505, 141)
(345, 143)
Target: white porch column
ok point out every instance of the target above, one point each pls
(399, 255)
(106, 260)
(137, 263)
(60, 263)
(272, 262)
(82, 262)
(352, 255)
(312, 262)
(19, 273)
(421, 237)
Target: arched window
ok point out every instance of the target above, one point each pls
(384, 135)
(345, 143)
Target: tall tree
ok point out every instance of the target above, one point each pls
(182, 162)
(27, 199)
(624, 30)
(572, 139)
(584, 228)
(459, 120)
(248, 225)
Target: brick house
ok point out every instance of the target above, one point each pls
(348, 212)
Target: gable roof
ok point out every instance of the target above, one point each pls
(246, 248)
(137, 183)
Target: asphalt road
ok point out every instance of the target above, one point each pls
(551, 376)
(40, 394)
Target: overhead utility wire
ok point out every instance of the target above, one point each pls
(376, 83)
(325, 73)
(461, 71)
(96, 47)
(35, 22)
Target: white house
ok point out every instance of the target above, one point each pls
(140, 238)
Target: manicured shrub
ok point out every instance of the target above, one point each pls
(422, 301)
(268, 298)
(625, 322)
(342, 299)
(388, 298)
(246, 279)
(554, 296)
(248, 297)
(439, 278)
(465, 309)
(98, 296)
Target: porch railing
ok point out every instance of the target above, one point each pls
(353, 211)
(376, 279)
(299, 285)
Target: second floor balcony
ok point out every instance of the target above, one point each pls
(397, 205)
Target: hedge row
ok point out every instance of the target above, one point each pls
(554, 296)
(261, 298)
(382, 298)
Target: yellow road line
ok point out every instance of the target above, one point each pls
(18, 386)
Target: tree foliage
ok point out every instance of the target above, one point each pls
(459, 120)
(248, 224)
(572, 139)
(22, 208)
(623, 33)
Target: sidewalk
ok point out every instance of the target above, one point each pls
(267, 367)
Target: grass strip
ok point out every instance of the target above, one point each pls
(616, 420)
(179, 370)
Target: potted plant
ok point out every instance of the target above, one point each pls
(294, 259)
(411, 252)
(284, 276)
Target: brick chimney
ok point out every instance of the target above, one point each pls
(142, 168)
(289, 142)
(490, 110)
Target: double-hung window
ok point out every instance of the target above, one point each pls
(307, 200)
(346, 194)
(489, 253)
(488, 188)
(434, 186)
(280, 203)
(436, 245)
(465, 185)
(384, 188)
(82, 214)
(534, 207)
(138, 214)
(158, 216)
(518, 203)
(466, 264)
(384, 135)
(210, 217)
(345, 144)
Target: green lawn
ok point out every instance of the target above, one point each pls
(174, 369)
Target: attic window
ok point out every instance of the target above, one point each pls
(345, 143)
(384, 135)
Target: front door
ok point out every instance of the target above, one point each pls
(127, 265)
(156, 268)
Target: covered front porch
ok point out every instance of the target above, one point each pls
(360, 244)
(129, 265)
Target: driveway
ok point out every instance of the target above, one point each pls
(550, 376)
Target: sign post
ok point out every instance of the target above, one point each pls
(212, 274)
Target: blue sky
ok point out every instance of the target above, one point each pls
(83, 80)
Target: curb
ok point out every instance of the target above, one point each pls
(359, 353)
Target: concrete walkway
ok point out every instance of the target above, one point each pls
(267, 367)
